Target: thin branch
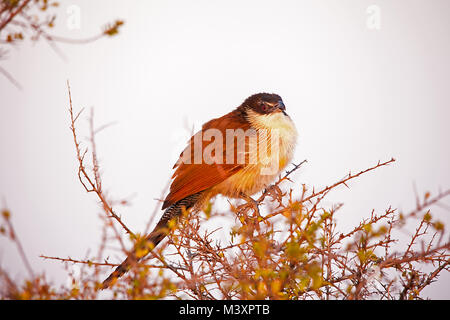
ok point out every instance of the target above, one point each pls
(344, 181)
(10, 78)
(13, 14)
(14, 237)
(94, 184)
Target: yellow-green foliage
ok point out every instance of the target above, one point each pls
(293, 250)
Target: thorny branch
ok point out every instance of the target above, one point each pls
(295, 251)
(26, 19)
(91, 184)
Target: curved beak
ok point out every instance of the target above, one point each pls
(281, 106)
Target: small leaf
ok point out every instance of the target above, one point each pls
(439, 226)
(6, 214)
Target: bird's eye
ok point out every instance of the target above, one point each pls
(264, 107)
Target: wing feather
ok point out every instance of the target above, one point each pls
(191, 178)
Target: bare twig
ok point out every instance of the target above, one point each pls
(91, 184)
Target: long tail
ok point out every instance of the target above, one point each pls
(154, 238)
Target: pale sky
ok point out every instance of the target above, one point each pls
(356, 94)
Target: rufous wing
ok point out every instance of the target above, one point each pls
(191, 177)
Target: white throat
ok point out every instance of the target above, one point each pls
(275, 121)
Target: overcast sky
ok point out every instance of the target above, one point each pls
(359, 90)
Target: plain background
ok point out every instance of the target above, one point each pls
(356, 94)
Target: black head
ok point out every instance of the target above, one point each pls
(265, 103)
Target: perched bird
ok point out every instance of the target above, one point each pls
(236, 163)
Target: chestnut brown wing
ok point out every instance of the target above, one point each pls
(191, 178)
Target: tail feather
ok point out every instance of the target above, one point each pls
(154, 238)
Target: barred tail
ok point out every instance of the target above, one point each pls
(154, 238)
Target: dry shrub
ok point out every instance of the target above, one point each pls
(293, 250)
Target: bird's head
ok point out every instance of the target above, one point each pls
(265, 103)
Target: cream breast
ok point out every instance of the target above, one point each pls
(255, 177)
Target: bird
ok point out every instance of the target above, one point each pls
(233, 164)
